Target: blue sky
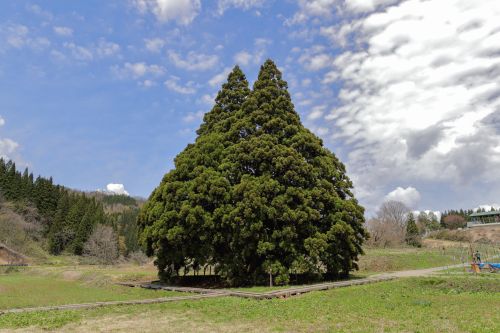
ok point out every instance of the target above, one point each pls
(99, 92)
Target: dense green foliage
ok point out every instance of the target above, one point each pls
(67, 217)
(125, 224)
(114, 199)
(256, 194)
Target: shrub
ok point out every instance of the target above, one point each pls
(138, 258)
(102, 245)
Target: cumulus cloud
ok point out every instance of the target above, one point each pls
(409, 196)
(7, 146)
(173, 84)
(181, 11)
(193, 61)
(419, 97)
(116, 189)
(224, 5)
(63, 31)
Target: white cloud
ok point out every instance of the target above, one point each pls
(224, 5)
(105, 48)
(362, 6)
(255, 57)
(173, 84)
(419, 98)
(193, 116)
(207, 99)
(37, 10)
(220, 78)
(137, 70)
(18, 36)
(312, 8)
(316, 112)
(488, 207)
(409, 196)
(7, 146)
(243, 58)
(193, 61)
(116, 189)
(147, 83)
(79, 52)
(181, 11)
(94, 51)
(63, 31)
(154, 45)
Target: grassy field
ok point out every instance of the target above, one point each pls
(397, 259)
(462, 303)
(23, 289)
(452, 301)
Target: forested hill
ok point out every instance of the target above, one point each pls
(65, 217)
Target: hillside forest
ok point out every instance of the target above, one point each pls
(38, 216)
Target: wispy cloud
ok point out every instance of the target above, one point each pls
(173, 84)
(193, 61)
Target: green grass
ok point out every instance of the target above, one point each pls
(397, 259)
(18, 290)
(437, 304)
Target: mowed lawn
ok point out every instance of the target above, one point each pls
(464, 303)
(19, 290)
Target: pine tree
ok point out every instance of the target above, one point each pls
(257, 194)
(412, 234)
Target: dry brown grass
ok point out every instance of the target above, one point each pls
(149, 322)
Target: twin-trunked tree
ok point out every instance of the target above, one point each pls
(256, 194)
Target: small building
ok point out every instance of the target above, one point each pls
(483, 218)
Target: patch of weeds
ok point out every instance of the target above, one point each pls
(461, 285)
(44, 320)
(422, 302)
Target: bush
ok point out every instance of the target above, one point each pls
(102, 245)
(454, 222)
(138, 258)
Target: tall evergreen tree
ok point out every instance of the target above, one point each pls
(256, 194)
(412, 234)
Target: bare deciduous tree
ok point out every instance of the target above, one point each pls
(389, 226)
(395, 213)
(454, 222)
(102, 245)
